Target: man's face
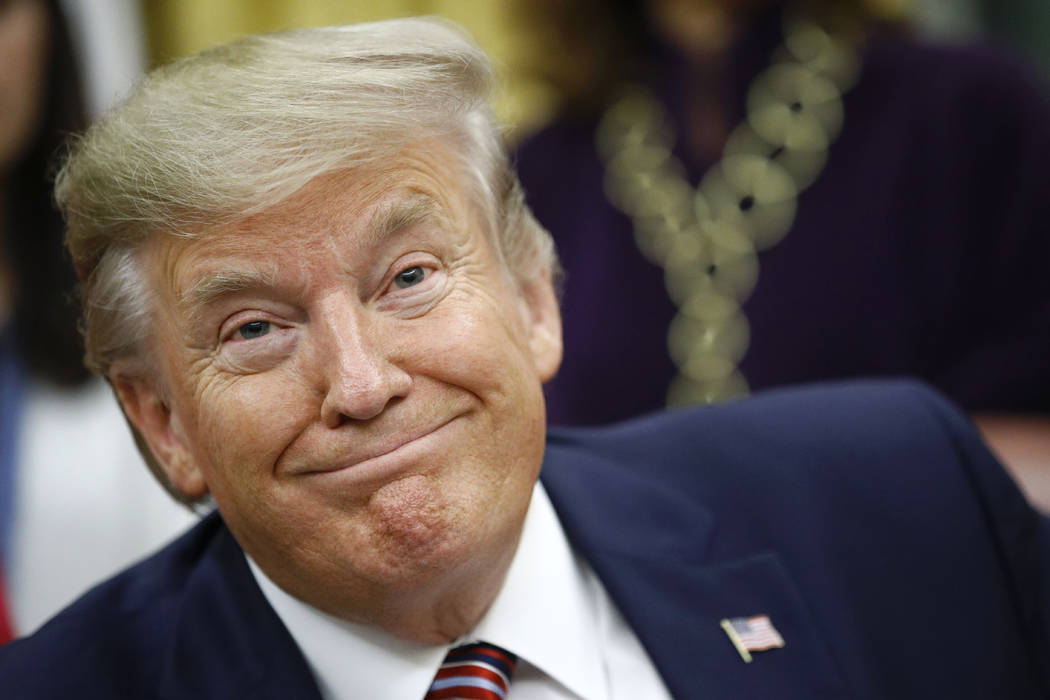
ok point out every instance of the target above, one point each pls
(356, 379)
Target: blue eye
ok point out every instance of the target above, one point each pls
(411, 276)
(254, 329)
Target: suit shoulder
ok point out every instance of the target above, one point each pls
(819, 412)
(112, 636)
(845, 436)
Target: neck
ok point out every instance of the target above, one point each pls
(431, 607)
(706, 126)
(443, 617)
(701, 32)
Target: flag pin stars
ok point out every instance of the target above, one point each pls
(755, 633)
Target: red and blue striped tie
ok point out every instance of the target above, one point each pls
(473, 672)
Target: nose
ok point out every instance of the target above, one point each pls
(361, 377)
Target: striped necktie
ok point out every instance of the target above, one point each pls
(473, 672)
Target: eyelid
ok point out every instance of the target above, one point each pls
(429, 263)
(238, 332)
(239, 355)
(413, 301)
(233, 323)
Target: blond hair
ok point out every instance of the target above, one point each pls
(216, 137)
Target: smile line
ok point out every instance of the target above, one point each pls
(378, 455)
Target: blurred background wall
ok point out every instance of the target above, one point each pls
(175, 28)
(1023, 23)
(110, 45)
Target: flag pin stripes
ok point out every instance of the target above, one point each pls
(749, 634)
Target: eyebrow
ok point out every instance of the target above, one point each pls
(220, 283)
(389, 218)
(385, 221)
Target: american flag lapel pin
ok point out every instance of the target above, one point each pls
(748, 634)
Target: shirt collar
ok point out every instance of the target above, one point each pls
(543, 613)
(350, 660)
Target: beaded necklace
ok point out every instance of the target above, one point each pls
(707, 238)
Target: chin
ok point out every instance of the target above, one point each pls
(415, 534)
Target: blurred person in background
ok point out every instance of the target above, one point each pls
(756, 193)
(74, 505)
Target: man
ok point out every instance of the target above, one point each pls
(310, 278)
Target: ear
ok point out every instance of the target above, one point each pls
(543, 319)
(161, 429)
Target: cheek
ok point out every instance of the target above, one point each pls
(245, 425)
(479, 345)
(487, 355)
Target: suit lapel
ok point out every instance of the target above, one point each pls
(228, 641)
(649, 545)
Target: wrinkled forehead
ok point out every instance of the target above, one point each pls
(353, 211)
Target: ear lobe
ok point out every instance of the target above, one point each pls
(544, 324)
(153, 418)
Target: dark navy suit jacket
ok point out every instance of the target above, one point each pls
(867, 521)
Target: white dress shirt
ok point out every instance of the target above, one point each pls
(552, 612)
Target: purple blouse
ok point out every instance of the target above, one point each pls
(923, 248)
